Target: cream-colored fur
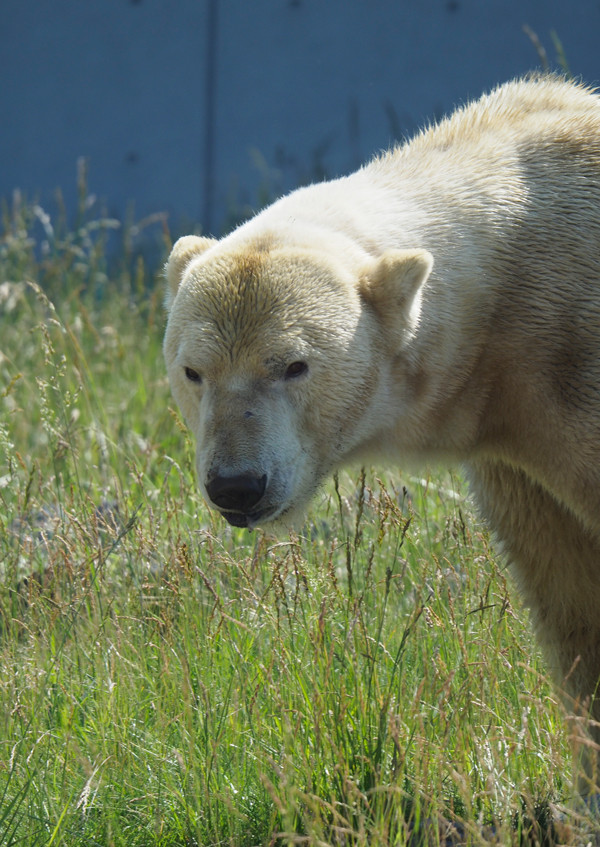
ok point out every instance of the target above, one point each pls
(443, 302)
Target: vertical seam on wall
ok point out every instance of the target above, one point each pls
(212, 25)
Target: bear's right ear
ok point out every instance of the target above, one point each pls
(392, 286)
(184, 250)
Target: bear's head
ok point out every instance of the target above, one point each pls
(278, 357)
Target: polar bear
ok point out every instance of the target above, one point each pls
(440, 304)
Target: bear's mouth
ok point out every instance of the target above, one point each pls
(248, 520)
(236, 518)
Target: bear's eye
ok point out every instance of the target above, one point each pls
(295, 370)
(192, 375)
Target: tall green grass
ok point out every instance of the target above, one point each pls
(168, 680)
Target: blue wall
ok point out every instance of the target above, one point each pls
(202, 108)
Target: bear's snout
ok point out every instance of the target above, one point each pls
(236, 495)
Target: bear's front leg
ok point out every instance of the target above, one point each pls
(556, 563)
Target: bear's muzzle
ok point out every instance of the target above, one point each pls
(237, 496)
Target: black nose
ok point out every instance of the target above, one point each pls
(238, 493)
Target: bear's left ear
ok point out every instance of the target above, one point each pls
(392, 286)
(184, 250)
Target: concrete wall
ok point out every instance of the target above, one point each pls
(205, 108)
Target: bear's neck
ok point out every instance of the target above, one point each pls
(350, 217)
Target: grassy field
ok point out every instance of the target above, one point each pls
(168, 680)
